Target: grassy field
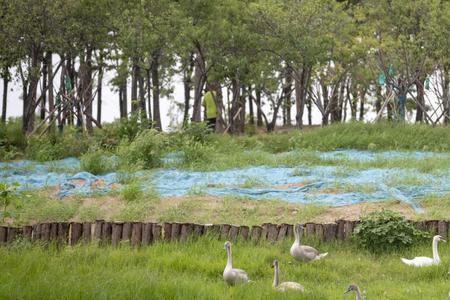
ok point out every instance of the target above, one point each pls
(193, 271)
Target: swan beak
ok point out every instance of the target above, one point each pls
(444, 241)
(347, 291)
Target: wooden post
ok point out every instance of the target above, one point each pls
(156, 232)
(225, 231)
(329, 231)
(86, 236)
(244, 232)
(282, 232)
(272, 233)
(198, 230)
(213, 230)
(3, 235)
(290, 231)
(116, 234)
(167, 232)
(233, 233)
(310, 229)
(63, 233)
(27, 233)
(340, 235)
(11, 235)
(256, 233)
(185, 231)
(98, 230)
(146, 234)
(136, 234)
(348, 229)
(45, 232)
(264, 231)
(443, 228)
(36, 232)
(126, 231)
(53, 231)
(75, 233)
(106, 233)
(175, 233)
(318, 229)
(432, 226)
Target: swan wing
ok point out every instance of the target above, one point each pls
(234, 276)
(290, 286)
(420, 261)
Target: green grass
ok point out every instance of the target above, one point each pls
(194, 271)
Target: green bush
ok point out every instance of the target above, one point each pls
(57, 146)
(131, 192)
(97, 161)
(145, 152)
(386, 231)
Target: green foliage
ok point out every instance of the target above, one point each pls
(198, 132)
(97, 161)
(55, 146)
(382, 136)
(132, 192)
(6, 195)
(192, 270)
(386, 231)
(145, 151)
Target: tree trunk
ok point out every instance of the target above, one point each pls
(156, 92)
(259, 119)
(135, 70)
(30, 100)
(187, 81)
(87, 91)
(51, 101)
(420, 98)
(149, 97)
(446, 93)
(5, 76)
(301, 85)
(142, 99)
(100, 88)
(218, 100)
(236, 103)
(379, 98)
(362, 100)
(250, 106)
(309, 107)
(354, 101)
(44, 87)
(199, 80)
(325, 104)
(288, 94)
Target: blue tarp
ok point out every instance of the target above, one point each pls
(326, 185)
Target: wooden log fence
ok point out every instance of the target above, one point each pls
(137, 234)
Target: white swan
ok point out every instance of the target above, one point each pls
(355, 288)
(302, 252)
(288, 285)
(230, 275)
(422, 261)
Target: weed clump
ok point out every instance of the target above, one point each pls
(386, 231)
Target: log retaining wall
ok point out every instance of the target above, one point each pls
(139, 234)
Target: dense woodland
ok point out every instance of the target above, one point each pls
(343, 58)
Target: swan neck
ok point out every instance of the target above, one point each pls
(358, 294)
(276, 278)
(297, 235)
(229, 260)
(436, 257)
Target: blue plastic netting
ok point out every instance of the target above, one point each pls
(325, 185)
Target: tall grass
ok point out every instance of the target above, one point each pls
(194, 271)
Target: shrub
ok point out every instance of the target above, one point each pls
(57, 146)
(145, 152)
(131, 192)
(198, 132)
(97, 161)
(386, 231)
